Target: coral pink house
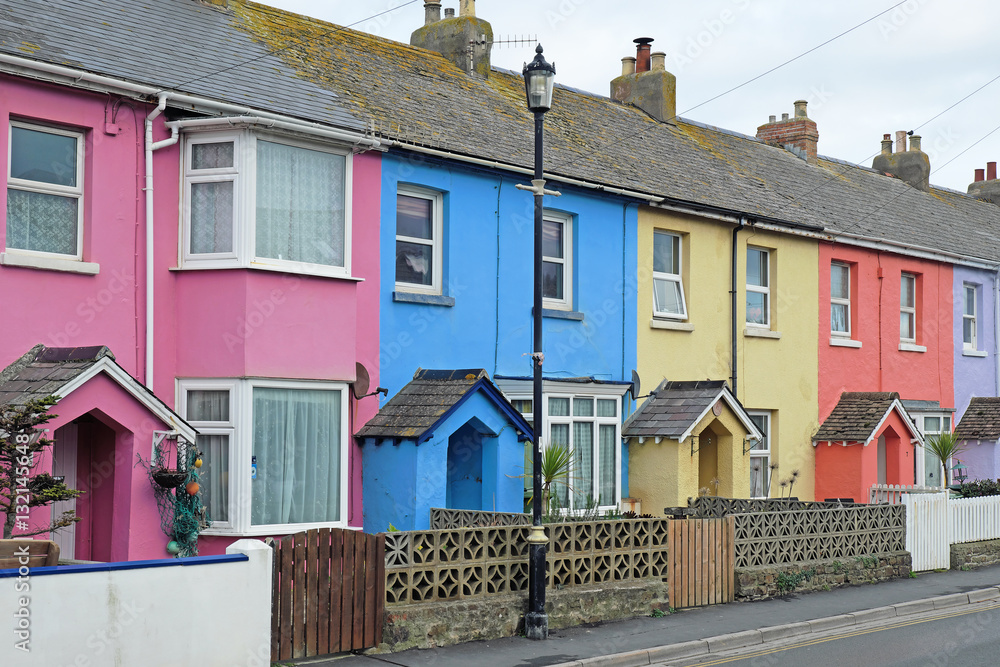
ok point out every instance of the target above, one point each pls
(264, 298)
(885, 332)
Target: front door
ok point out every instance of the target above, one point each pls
(64, 465)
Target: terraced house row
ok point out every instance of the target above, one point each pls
(237, 240)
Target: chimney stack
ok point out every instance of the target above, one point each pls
(912, 166)
(986, 186)
(465, 40)
(646, 83)
(798, 135)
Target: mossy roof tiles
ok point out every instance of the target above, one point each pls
(856, 416)
(981, 420)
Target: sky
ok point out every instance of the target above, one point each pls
(901, 70)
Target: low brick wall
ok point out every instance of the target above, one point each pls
(433, 624)
(769, 581)
(970, 555)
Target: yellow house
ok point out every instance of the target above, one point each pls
(762, 344)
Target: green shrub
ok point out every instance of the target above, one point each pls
(979, 487)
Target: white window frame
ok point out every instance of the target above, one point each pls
(436, 242)
(973, 316)
(50, 188)
(764, 453)
(616, 421)
(907, 309)
(565, 303)
(920, 418)
(840, 301)
(241, 450)
(671, 277)
(227, 428)
(761, 289)
(244, 175)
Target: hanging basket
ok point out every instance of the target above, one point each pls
(169, 479)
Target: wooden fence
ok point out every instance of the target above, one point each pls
(702, 562)
(973, 519)
(927, 530)
(329, 593)
(892, 494)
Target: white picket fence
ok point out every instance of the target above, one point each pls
(934, 522)
(892, 494)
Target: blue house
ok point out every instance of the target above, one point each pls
(446, 439)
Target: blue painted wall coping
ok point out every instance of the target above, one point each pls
(126, 565)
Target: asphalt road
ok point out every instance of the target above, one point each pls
(963, 637)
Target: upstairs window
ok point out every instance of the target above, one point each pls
(668, 288)
(418, 241)
(266, 202)
(969, 306)
(840, 300)
(557, 262)
(45, 190)
(908, 308)
(758, 287)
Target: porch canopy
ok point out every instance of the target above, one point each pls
(846, 467)
(689, 436)
(980, 432)
(449, 438)
(105, 419)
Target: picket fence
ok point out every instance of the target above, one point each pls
(892, 494)
(934, 522)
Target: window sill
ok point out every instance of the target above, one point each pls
(670, 325)
(910, 347)
(561, 314)
(973, 353)
(26, 261)
(754, 332)
(266, 267)
(425, 299)
(845, 342)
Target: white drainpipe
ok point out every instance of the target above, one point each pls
(151, 146)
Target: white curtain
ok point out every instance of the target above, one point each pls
(300, 204)
(296, 441)
(212, 406)
(583, 463)
(607, 470)
(212, 217)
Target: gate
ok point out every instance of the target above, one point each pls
(702, 562)
(927, 530)
(328, 593)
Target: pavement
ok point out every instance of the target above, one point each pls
(691, 632)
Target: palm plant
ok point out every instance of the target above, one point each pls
(944, 446)
(557, 468)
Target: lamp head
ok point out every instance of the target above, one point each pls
(539, 81)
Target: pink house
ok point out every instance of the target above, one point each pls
(239, 322)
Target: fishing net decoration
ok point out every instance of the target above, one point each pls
(182, 514)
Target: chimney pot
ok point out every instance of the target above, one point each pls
(449, 13)
(432, 12)
(628, 65)
(784, 116)
(900, 141)
(980, 175)
(642, 53)
(658, 61)
(915, 142)
(886, 144)
(913, 166)
(467, 8)
(800, 108)
(991, 171)
(772, 118)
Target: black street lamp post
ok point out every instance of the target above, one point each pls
(539, 78)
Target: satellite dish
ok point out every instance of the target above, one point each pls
(635, 389)
(360, 386)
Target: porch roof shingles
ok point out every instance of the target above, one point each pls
(855, 416)
(672, 410)
(981, 420)
(42, 371)
(417, 406)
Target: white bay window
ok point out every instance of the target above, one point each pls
(275, 453)
(269, 202)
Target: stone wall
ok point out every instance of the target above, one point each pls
(970, 555)
(768, 581)
(434, 624)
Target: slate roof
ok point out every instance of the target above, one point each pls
(43, 371)
(315, 70)
(856, 416)
(675, 407)
(981, 420)
(426, 399)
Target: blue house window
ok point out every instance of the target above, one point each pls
(418, 240)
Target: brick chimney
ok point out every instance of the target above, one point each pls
(907, 164)
(797, 134)
(646, 83)
(986, 186)
(465, 40)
